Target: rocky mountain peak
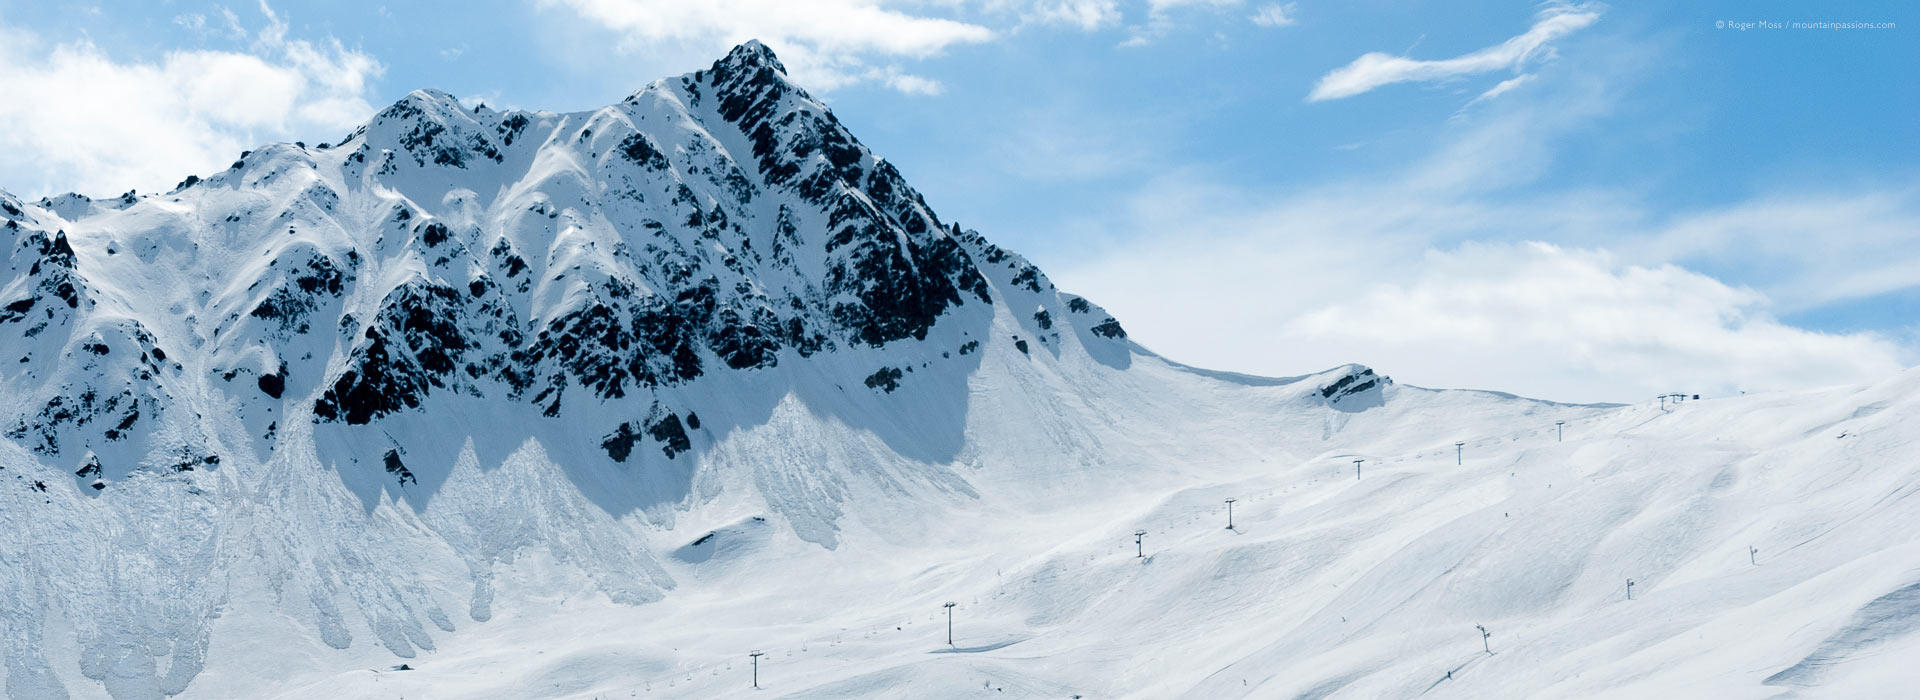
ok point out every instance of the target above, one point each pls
(597, 267)
(749, 56)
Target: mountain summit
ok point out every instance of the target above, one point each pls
(593, 266)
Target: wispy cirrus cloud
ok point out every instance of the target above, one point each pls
(1377, 69)
(1504, 87)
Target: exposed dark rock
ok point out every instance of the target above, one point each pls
(80, 408)
(663, 426)
(510, 128)
(429, 139)
(1029, 278)
(91, 469)
(413, 345)
(740, 343)
(55, 267)
(886, 379)
(16, 310)
(901, 266)
(673, 438)
(619, 444)
(273, 384)
(435, 233)
(1351, 384)
(641, 151)
(290, 305)
(608, 347)
(398, 469)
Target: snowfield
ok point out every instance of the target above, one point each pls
(1328, 587)
(481, 404)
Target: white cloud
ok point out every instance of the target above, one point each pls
(79, 119)
(1814, 248)
(1377, 69)
(1275, 16)
(826, 43)
(1217, 277)
(915, 85)
(1086, 15)
(907, 82)
(1556, 322)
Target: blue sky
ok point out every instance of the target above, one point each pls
(1576, 201)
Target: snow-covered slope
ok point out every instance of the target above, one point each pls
(593, 404)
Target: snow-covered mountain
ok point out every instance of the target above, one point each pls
(593, 404)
